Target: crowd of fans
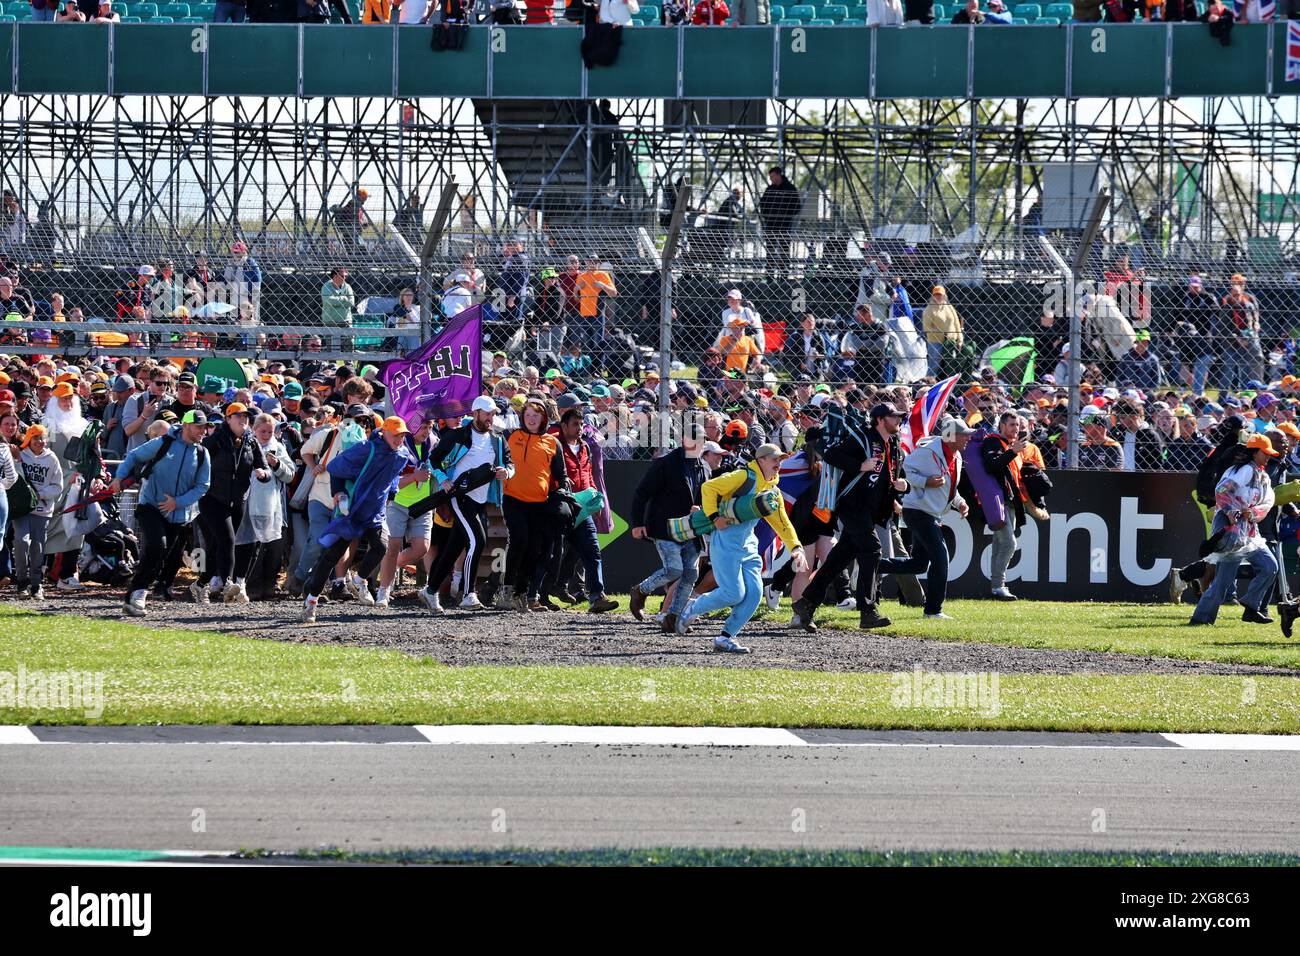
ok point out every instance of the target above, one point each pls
(672, 12)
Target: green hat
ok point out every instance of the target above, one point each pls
(1143, 335)
(194, 417)
(293, 390)
(629, 383)
(822, 388)
(553, 374)
(548, 274)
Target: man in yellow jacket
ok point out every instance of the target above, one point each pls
(941, 324)
(733, 549)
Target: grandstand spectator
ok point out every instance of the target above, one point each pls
(404, 316)
(230, 11)
(43, 11)
(1187, 448)
(710, 13)
(409, 221)
(411, 12)
(1119, 11)
(884, 13)
(1098, 451)
(970, 13)
(618, 13)
(478, 282)
(1140, 368)
(1142, 447)
(998, 13)
(750, 12)
(918, 11)
(318, 11)
(738, 309)
(811, 348)
(13, 221)
(105, 13)
(1180, 11)
(738, 346)
(71, 13)
(942, 327)
(14, 300)
(166, 293)
(198, 278)
(863, 349)
(514, 280)
(338, 302)
(459, 296)
(1243, 357)
(243, 278)
(675, 13)
(777, 209)
(377, 12)
(539, 12)
(594, 286)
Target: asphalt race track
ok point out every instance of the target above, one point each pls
(383, 790)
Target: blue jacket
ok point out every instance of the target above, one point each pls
(184, 472)
(452, 447)
(372, 468)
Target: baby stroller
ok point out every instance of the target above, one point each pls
(110, 552)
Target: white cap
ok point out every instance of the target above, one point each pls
(820, 399)
(712, 448)
(734, 294)
(484, 404)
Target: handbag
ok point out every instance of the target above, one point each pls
(22, 497)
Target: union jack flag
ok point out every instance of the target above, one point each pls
(927, 411)
(1267, 10)
(1292, 50)
(793, 480)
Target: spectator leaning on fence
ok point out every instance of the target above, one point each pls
(970, 13)
(71, 13)
(942, 326)
(884, 13)
(337, 302)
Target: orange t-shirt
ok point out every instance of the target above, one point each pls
(738, 351)
(531, 455)
(589, 292)
(377, 11)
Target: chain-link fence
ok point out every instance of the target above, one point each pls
(878, 305)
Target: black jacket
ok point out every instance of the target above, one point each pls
(459, 438)
(779, 206)
(232, 473)
(871, 494)
(996, 455)
(668, 489)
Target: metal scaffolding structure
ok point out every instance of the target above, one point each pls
(133, 177)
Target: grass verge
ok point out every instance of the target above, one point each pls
(1148, 630)
(184, 677)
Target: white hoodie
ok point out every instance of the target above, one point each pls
(46, 475)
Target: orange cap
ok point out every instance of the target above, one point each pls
(45, 382)
(1289, 428)
(395, 424)
(32, 432)
(64, 390)
(236, 408)
(1262, 443)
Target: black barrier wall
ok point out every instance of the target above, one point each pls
(1111, 537)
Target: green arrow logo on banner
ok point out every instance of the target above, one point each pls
(615, 533)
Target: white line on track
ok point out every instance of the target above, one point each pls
(660, 736)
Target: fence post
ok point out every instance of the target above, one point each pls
(666, 307)
(431, 241)
(1076, 326)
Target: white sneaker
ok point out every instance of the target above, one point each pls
(773, 597)
(1176, 586)
(363, 595)
(381, 599)
(505, 598)
(309, 611)
(134, 606)
(848, 604)
(1002, 594)
(470, 602)
(940, 616)
(234, 594)
(455, 582)
(70, 584)
(199, 593)
(659, 618)
(431, 600)
(38, 594)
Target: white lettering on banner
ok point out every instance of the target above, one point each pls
(1098, 538)
(964, 540)
(1024, 568)
(1131, 521)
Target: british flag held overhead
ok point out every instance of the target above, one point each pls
(927, 411)
(1292, 50)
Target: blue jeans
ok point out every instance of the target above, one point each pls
(929, 557)
(5, 570)
(681, 563)
(318, 516)
(1225, 577)
(1200, 372)
(42, 16)
(228, 12)
(583, 543)
(933, 355)
(738, 568)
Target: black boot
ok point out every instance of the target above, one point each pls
(871, 618)
(1252, 616)
(1288, 611)
(803, 616)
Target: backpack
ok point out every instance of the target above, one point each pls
(22, 497)
(147, 468)
(1211, 470)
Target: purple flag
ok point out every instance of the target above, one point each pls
(442, 377)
